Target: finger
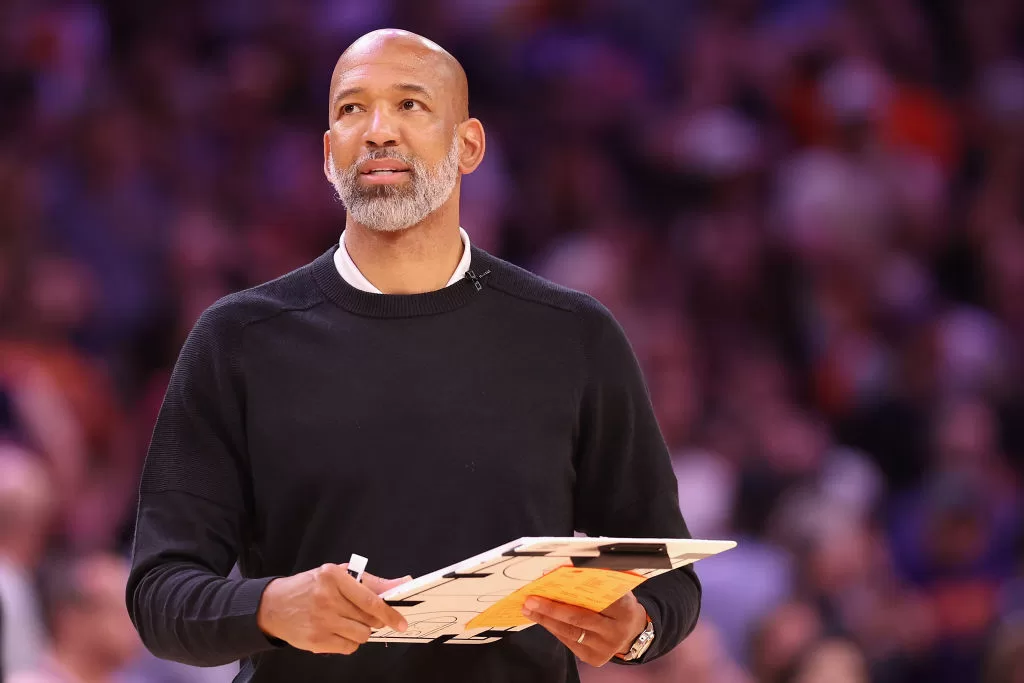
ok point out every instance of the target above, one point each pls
(350, 611)
(379, 585)
(578, 617)
(331, 644)
(593, 650)
(620, 606)
(366, 600)
(350, 629)
(569, 635)
(564, 632)
(340, 605)
(581, 651)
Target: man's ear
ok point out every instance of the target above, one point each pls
(327, 156)
(474, 144)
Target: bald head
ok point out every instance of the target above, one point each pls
(415, 54)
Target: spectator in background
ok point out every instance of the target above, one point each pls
(808, 214)
(1005, 663)
(1012, 598)
(956, 537)
(26, 507)
(781, 638)
(93, 638)
(701, 656)
(830, 661)
(64, 401)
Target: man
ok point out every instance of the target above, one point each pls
(407, 397)
(27, 506)
(93, 640)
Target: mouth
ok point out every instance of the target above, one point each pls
(383, 171)
(383, 176)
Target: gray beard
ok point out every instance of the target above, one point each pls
(390, 208)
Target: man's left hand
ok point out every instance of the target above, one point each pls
(605, 634)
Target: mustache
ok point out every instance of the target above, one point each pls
(409, 160)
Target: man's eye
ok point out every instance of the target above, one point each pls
(349, 108)
(410, 105)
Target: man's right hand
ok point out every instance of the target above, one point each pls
(325, 610)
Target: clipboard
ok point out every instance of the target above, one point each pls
(479, 600)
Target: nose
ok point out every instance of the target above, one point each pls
(381, 131)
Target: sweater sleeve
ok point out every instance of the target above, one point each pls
(625, 484)
(193, 511)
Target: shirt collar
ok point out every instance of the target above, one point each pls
(351, 274)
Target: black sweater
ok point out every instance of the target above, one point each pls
(306, 420)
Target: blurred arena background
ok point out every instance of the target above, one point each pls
(808, 214)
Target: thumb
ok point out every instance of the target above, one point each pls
(379, 585)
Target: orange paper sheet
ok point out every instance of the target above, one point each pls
(593, 589)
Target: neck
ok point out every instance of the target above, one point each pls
(416, 260)
(81, 665)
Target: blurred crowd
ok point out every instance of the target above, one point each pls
(808, 215)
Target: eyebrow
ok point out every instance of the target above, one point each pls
(403, 87)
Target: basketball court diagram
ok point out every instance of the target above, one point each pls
(438, 606)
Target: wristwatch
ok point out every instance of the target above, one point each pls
(642, 642)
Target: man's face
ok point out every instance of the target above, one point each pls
(393, 149)
(100, 622)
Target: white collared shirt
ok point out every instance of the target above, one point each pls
(350, 273)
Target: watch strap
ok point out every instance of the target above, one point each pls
(640, 645)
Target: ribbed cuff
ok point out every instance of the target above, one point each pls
(246, 605)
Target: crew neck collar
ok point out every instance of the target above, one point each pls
(375, 305)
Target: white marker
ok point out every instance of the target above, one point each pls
(356, 566)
